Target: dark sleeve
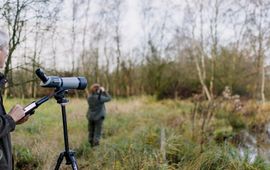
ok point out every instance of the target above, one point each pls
(88, 100)
(7, 124)
(104, 97)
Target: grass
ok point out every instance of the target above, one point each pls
(131, 137)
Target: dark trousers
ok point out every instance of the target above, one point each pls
(94, 131)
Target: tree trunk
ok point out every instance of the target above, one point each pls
(202, 80)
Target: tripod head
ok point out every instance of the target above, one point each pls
(60, 96)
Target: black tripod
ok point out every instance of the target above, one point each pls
(68, 154)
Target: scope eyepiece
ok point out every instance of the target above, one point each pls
(41, 75)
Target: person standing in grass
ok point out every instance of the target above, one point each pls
(7, 121)
(96, 112)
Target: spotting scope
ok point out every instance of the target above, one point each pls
(79, 83)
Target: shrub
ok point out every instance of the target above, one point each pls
(237, 122)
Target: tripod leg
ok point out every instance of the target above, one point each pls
(74, 163)
(71, 160)
(59, 161)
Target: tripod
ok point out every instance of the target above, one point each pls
(68, 154)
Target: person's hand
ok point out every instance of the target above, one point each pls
(17, 113)
(102, 89)
(24, 119)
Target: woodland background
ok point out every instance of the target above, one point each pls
(165, 48)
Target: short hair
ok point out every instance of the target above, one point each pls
(3, 39)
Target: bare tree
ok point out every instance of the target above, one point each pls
(73, 32)
(12, 13)
(54, 18)
(214, 38)
(258, 33)
(116, 12)
(15, 15)
(198, 51)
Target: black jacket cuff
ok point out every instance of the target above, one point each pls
(11, 122)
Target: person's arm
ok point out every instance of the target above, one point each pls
(8, 121)
(7, 124)
(105, 97)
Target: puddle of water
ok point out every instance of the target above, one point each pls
(254, 145)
